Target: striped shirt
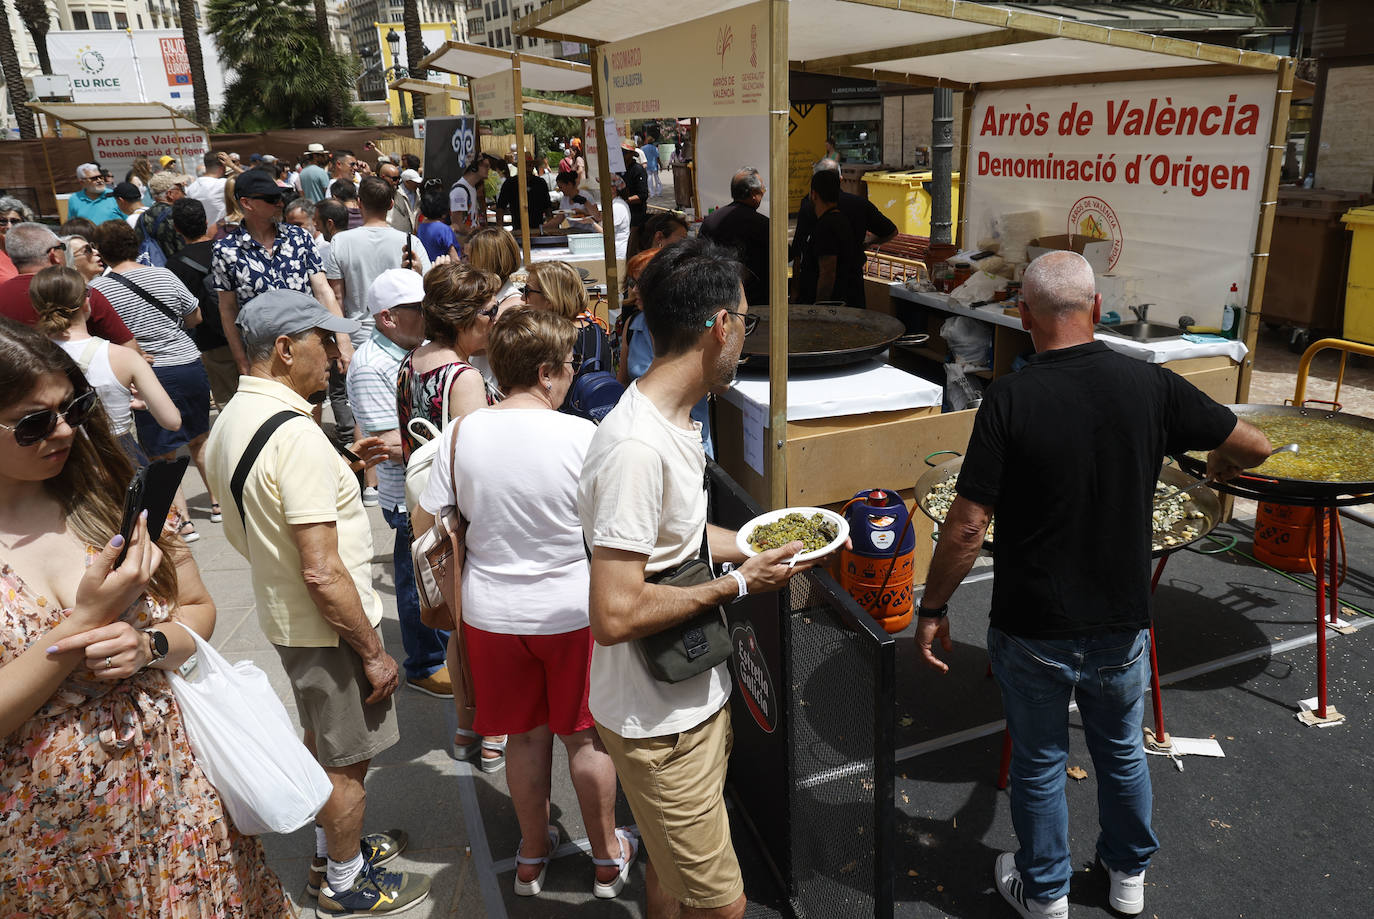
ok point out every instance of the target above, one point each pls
(153, 329)
(372, 395)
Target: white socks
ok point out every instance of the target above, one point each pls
(341, 875)
(321, 848)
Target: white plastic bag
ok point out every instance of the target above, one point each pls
(245, 743)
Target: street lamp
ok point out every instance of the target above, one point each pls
(393, 42)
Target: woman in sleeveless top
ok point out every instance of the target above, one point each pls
(104, 810)
(60, 298)
(557, 287)
(437, 382)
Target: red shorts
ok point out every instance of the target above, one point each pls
(524, 681)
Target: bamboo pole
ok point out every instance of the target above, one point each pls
(603, 174)
(1259, 264)
(521, 173)
(778, 119)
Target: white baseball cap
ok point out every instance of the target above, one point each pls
(410, 175)
(394, 287)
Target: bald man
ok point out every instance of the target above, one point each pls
(1066, 452)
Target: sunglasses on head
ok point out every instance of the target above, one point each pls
(34, 427)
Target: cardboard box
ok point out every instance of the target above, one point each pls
(1098, 252)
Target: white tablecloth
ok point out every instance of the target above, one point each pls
(871, 386)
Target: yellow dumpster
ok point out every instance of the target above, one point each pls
(1359, 286)
(904, 199)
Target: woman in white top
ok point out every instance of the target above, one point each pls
(60, 297)
(514, 476)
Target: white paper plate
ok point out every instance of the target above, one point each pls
(742, 537)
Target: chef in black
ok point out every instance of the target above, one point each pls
(536, 196)
(832, 268)
(871, 227)
(740, 227)
(1066, 452)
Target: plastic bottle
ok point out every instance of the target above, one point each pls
(1231, 313)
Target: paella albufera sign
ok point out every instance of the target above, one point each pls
(1163, 178)
(645, 77)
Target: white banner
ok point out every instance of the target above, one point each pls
(146, 65)
(117, 150)
(1168, 172)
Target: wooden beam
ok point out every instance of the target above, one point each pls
(885, 76)
(780, 112)
(1123, 76)
(601, 102)
(522, 206)
(1259, 260)
(994, 39)
(960, 234)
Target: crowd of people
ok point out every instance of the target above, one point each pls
(127, 328)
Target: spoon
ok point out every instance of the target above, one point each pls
(1286, 448)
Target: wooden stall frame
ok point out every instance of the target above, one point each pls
(779, 116)
(603, 177)
(521, 173)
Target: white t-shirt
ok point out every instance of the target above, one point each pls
(358, 257)
(642, 492)
(209, 191)
(620, 213)
(462, 198)
(526, 570)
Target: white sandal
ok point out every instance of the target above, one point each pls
(467, 752)
(612, 889)
(531, 888)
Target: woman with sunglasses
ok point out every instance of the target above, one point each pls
(84, 257)
(62, 302)
(525, 589)
(438, 382)
(556, 286)
(12, 213)
(159, 310)
(106, 812)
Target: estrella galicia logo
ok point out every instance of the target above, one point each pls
(90, 60)
(751, 673)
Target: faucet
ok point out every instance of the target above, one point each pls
(1141, 311)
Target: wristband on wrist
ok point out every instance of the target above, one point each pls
(739, 579)
(939, 613)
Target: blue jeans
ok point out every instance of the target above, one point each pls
(426, 648)
(1107, 674)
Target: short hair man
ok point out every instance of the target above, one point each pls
(833, 268)
(635, 194)
(331, 218)
(299, 523)
(405, 202)
(343, 165)
(314, 180)
(642, 502)
(191, 264)
(868, 224)
(536, 200)
(129, 199)
(466, 201)
(263, 254)
(393, 302)
(33, 247)
(209, 188)
(740, 227)
(1071, 587)
(94, 201)
(411, 161)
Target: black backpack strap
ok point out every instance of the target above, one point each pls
(250, 456)
(148, 298)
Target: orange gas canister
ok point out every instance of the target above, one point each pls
(879, 571)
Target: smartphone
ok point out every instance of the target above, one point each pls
(152, 489)
(408, 259)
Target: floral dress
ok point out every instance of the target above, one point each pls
(421, 395)
(103, 810)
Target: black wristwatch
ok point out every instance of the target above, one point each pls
(925, 613)
(158, 642)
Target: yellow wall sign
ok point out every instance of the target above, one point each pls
(805, 145)
(643, 77)
(494, 96)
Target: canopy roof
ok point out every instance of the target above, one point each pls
(119, 116)
(528, 103)
(426, 87)
(923, 42)
(544, 73)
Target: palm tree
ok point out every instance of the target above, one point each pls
(334, 104)
(415, 50)
(34, 13)
(14, 78)
(190, 33)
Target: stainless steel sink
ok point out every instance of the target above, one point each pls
(1142, 331)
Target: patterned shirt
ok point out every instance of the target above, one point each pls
(372, 394)
(241, 266)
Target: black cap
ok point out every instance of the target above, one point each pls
(256, 183)
(128, 191)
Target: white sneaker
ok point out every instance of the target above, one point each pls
(369, 497)
(1013, 891)
(1127, 894)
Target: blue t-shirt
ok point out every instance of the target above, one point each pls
(437, 237)
(640, 355)
(650, 157)
(97, 210)
(314, 183)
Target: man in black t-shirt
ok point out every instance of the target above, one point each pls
(1066, 451)
(869, 225)
(191, 264)
(832, 269)
(740, 227)
(536, 196)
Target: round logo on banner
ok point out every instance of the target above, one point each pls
(463, 142)
(1094, 218)
(90, 60)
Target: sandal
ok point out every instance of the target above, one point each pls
(216, 515)
(531, 888)
(185, 536)
(491, 764)
(628, 841)
(467, 752)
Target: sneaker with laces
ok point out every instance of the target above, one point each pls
(376, 892)
(378, 849)
(1010, 886)
(438, 684)
(1127, 893)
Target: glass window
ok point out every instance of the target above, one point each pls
(79, 21)
(121, 21)
(507, 31)
(101, 20)
(140, 20)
